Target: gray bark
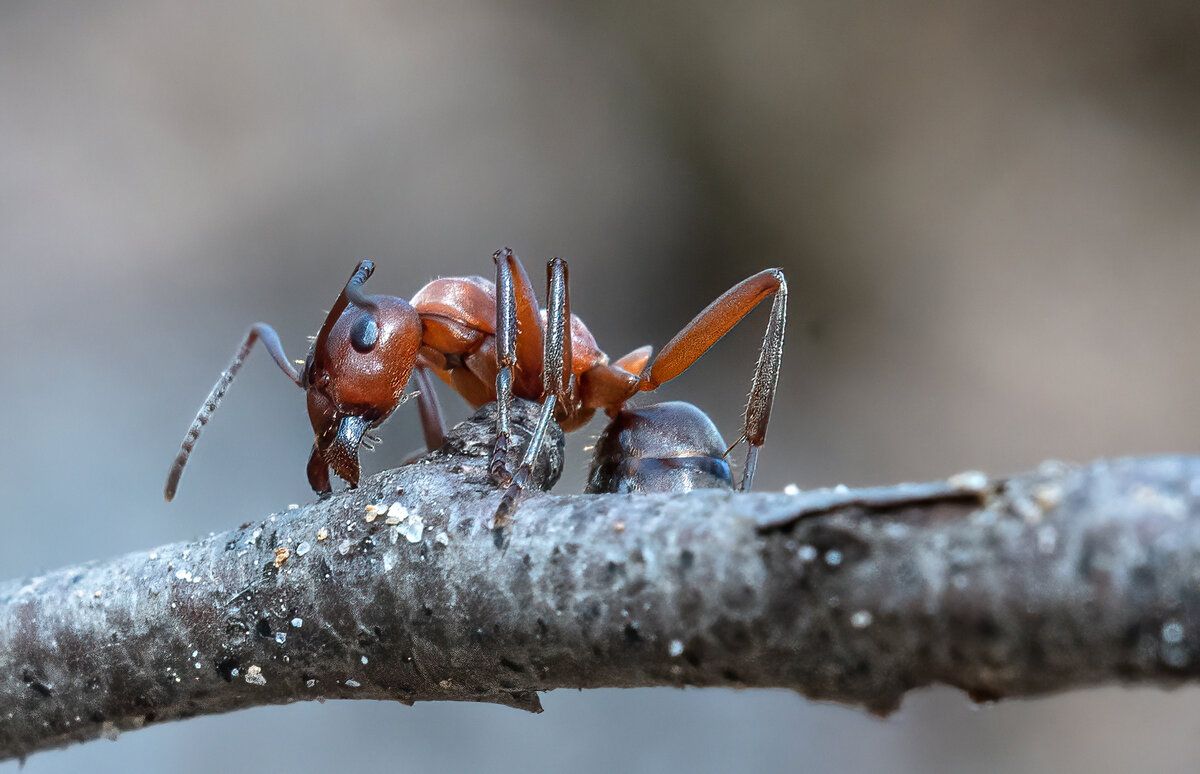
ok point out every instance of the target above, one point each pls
(1060, 578)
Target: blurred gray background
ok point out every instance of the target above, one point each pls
(988, 215)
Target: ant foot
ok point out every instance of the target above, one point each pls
(498, 467)
(509, 501)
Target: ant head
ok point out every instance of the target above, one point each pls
(357, 369)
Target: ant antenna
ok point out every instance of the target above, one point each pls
(354, 291)
(270, 340)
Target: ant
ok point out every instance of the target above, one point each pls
(491, 342)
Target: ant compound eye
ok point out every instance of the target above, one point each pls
(364, 334)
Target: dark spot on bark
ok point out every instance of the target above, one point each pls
(733, 635)
(1087, 555)
(511, 665)
(631, 634)
(739, 599)
(543, 629)
(225, 669)
(527, 560)
(33, 682)
(982, 695)
(860, 670)
(1126, 670)
(686, 560)
(637, 557)
(988, 628)
(614, 570)
(1143, 575)
(97, 717)
(427, 610)
(323, 569)
(1131, 636)
(500, 538)
(636, 586)
(590, 611)
(264, 628)
(1036, 654)
(231, 544)
(731, 675)
(78, 577)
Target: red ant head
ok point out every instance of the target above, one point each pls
(357, 369)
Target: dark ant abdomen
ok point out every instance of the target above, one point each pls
(667, 447)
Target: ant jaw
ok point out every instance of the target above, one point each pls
(341, 452)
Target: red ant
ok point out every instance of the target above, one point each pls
(491, 343)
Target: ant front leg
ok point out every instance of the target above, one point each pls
(557, 381)
(270, 340)
(518, 343)
(708, 327)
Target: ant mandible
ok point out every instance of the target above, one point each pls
(492, 342)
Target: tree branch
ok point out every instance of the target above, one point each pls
(1060, 578)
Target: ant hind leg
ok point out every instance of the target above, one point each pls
(713, 322)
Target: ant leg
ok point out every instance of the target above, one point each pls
(762, 387)
(557, 381)
(270, 340)
(508, 502)
(432, 425)
(506, 344)
(518, 341)
(708, 327)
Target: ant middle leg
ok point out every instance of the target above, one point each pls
(518, 344)
(558, 382)
(433, 427)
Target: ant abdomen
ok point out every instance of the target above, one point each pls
(667, 447)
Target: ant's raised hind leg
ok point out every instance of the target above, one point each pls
(762, 387)
(708, 327)
(557, 381)
(258, 332)
(518, 343)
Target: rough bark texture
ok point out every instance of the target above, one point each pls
(1060, 578)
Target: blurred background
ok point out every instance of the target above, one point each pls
(988, 215)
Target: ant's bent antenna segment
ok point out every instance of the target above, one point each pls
(270, 340)
(354, 291)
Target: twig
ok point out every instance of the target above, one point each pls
(1056, 579)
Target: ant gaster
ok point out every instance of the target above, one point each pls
(492, 342)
